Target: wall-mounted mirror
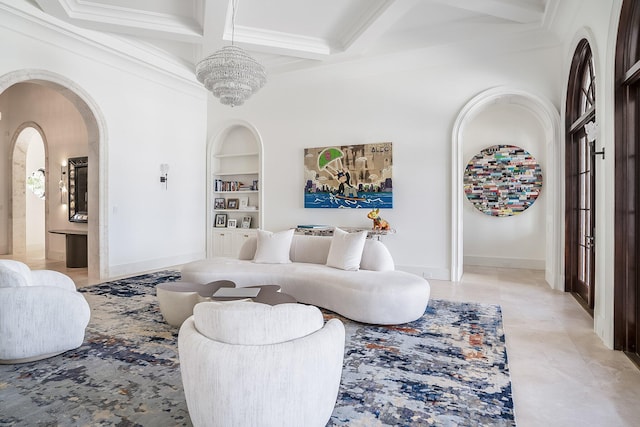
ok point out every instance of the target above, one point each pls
(78, 189)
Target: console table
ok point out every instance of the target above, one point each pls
(76, 247)
(328, 231)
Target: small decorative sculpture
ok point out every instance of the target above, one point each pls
(378, 223)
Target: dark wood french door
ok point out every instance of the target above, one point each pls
(580, 189)
(627, 179)
(581, 222)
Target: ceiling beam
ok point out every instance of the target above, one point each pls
(278, 43)
(364, 33)
(53, 8)
(511, 10)
(214, 21)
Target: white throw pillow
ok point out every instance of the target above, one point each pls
(273, 248)
(346, 249)
(376, 257)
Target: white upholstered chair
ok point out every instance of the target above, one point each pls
(248, 364)
(41, 313)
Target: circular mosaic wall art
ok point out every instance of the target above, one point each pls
(502, 180)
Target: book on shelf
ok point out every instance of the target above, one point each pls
(220, 185)
(314, 226)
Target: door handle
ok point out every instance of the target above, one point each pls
(590, 241)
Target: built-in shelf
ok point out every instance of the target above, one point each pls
(237, 192)
(235, 162)
(237, 210)
(237, 173)
(227, 156)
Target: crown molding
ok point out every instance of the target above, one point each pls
(118, 19)
(23, 18)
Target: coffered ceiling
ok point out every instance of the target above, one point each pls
(302, 33)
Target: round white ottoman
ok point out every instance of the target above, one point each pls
(177, 299)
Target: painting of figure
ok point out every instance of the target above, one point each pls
(350, 176)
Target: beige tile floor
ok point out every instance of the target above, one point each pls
(562, 374)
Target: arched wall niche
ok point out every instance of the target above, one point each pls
(549, 119)
(215, 143)
(18, 148)
(97, 137)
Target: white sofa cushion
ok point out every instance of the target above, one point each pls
(273, 248)
(248, 249)
(376, 257)
(310, 249)
(315, 250)
(249, 323)
(346, 249)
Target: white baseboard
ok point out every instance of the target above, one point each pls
(150, 265)
(531, 264)
(426, 272)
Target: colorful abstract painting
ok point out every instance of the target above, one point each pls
(350, 176)
(502, 180)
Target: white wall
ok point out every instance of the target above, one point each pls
(5, 181)
(154, 112)
(413, 108)
(514, 241)
(597, 21)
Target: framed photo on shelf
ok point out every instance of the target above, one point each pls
(232, 204)
(244, 202)
(231, 223)
(219, 203)
(221, 220)
(246, 222)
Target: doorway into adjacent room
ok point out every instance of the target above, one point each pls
(580, 188)
(89, 125)
(543, 117)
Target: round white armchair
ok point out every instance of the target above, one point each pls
(41, 313)
(251, 364)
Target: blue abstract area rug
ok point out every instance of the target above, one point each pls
(448, 368)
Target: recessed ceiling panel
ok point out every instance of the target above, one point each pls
(427, 14)
(311, 18)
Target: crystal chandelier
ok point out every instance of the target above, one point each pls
(231, 74)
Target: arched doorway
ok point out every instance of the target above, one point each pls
(29, 207)
(549, 119)
(96, 137)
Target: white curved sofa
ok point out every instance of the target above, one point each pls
(376, 293)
